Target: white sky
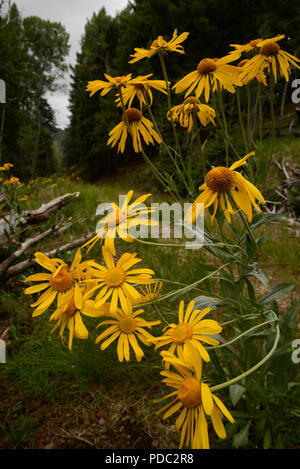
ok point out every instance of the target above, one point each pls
(73, 15)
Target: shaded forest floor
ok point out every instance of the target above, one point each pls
(52, 398)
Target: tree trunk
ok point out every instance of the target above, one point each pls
(2, 131)
(37, 138)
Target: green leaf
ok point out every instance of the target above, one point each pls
(236, 391)
(267, 439)
(241, 438)
(202, 302)
(263, 219)
(291, 315)
(279, 290)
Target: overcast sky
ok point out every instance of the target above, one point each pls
(73, 15)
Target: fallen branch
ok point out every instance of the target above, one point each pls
(45, 210)
(29, 242)
(22, 266)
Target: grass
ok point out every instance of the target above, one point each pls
(53, 398)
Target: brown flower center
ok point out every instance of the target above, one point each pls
(254, 42)
(71, 308)
(127, 324)
(189, 392)
(156, 44)
(242, 62)
(191, 100)
(270, 48)
(181, 333)
(115, 219)
(115, 277)
(61, 281)
(133, 115)
(219, 179)
(206, 66)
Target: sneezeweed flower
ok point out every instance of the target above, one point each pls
(240, 48)
(119, 221)
(13, 181)
(186, 336)
(127, 327)
(183, 113)
(60, 280)
(260, 77)
(209, 75)
(140, 87)
(139, 126)
(270, 56)
(70, 308)
(6, 167)
(220, 183)
(159, 45)
(106, 86)
(194, 399)
(115, 280)
(148, 293)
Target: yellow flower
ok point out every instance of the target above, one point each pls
(191, 330)
(138, 126)
(6, 166)
(120, 220)
(127, 327)
(59, 281)
(240, 48)
(148, 294)
(192, 106)
(270, 56)
(106, 86)
(261, 77)
(140, 87)
(161, 46)
(210, 74)
(194, 399)
(220, 182)
(115, 280)
(14, 181)
(70, 306)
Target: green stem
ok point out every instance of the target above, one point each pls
(179, 172)
(254, 368)
(224, 121)
(159, 314)
(238, 97)
(220, 122)
(199, 144)
(216, 347)
(272, 114)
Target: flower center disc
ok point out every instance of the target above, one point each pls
(133, 114)
(242, 62)
(181, 333)
(219, 179)
(115, 277)
(206, 66)
(115, 219)
(155, 43)
(71, 308)
(189, 392)
(127, 324)
(270, 48)
(62, 281)
(254, 42)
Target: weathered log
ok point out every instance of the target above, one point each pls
(29, 242)
(22, 266)
(45, 210)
